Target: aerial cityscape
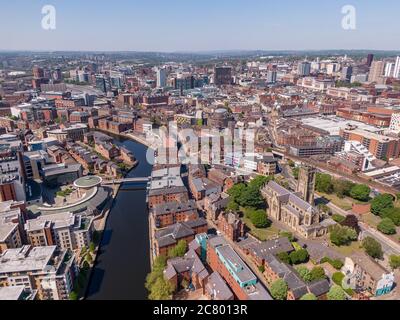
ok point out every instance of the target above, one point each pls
(198, 174)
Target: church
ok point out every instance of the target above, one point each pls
(291, 209)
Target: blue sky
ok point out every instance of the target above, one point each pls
(201, 25)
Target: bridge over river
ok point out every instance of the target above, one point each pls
(126, 180)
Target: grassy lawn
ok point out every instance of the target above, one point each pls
(355, 246)
(371, 219)
(261, 234)
(345, 203)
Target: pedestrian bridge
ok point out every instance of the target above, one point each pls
(126, 180)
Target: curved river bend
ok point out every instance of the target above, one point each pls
(123, 261)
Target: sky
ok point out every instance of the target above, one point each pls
(199, 25)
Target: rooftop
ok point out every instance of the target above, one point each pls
(88, 182)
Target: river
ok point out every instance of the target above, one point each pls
(124, 258)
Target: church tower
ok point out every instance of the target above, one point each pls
(306, 183)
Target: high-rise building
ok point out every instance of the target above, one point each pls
(304, 69)
(370, 58)
(376, 71)
(161, 78)
(396, 72)
(306, 183)
(101, 83)
(223, 76)
(389, 69)
(347, 72)
(271, 76)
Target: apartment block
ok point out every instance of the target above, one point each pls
(46, 269)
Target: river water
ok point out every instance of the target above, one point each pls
(124, 259)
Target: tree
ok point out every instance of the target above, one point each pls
(304, 273)
(259, 219)
(342, 187)
(317, 273)
(251, 197)
(351, 221)
(73, 296)
(179, 250)
(291, 163)
(380, 203)
(299, 256)
(309, 296)
(360, 192)
(279, 289)
(261, 268)
(236, 192)
(336, 293)
(161, 290)
(372, 247)
(394, 261)
(393, 214)
(258, 182)
(233, 206)
(323, 183)
(387, 226)
(340, 235)
(284, 257)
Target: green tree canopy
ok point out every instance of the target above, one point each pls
(380, 203)
(393, 214)
(309, 296)
(279, 289)
(342, 187)
(341, 235)
(161, 290)
(304, 273)
(387, 226)
(258, 218)
(284, 257)
(372, 247)
(317, 273)
(394, 261)
(323, 183)
(73, 296)
(360, 192)
(179, 250)
(299, 256)
(336, 293)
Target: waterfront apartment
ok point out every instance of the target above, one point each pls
(166, 185)
(167, 238)
(174, 212)
(46, 269)
(243, 282)
(65, 230)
